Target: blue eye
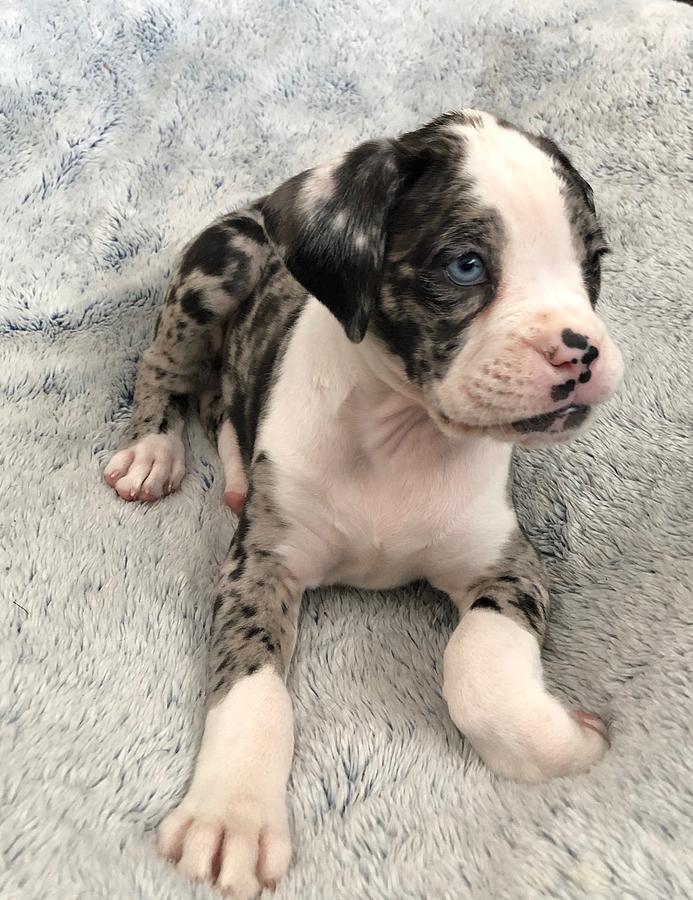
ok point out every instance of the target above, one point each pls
(467, 270)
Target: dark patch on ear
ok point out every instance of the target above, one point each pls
(335, 245)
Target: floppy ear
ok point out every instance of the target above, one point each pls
(329, 224)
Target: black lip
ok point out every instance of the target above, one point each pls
(574, 415)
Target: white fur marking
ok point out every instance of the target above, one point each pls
(151, 467)
(230, 455)
(495, 691)
(237, 798)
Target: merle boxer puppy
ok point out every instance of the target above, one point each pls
(368, 343)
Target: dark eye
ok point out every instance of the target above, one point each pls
(467, 270)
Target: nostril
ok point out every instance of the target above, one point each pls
(568, 351)
(563, 365)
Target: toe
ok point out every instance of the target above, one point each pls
(118, 466)
(238, 866)
(235, 500)
(275, 855)
(590, 720)
(200, 848)
(172, 833)
(157, 481)
(129, 486)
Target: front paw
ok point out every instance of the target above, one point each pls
(242, 847)
(232, 827)
(496, 696)
(150, 468)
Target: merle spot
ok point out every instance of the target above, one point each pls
(209, 253)
(486, 603)
(248, 611)
(531, 609)
(571, 339)
(247, 227)
(252, 632)
(562, 391)
(192, 303)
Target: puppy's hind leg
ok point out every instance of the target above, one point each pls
(222, 432)
(217, 272)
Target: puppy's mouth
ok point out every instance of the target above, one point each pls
(566, 418)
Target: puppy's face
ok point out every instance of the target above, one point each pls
(469, 251)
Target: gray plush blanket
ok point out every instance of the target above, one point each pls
(124, 127)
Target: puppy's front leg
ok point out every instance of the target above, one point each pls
(232, 825)
(493, 680)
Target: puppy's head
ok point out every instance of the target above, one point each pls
(469, 252)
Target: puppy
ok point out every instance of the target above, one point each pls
(369, 342)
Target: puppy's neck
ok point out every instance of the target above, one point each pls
(388, 415)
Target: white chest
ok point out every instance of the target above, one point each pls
(373, 495)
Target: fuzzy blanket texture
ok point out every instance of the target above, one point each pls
(125, 127)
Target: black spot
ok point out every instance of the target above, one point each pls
(536, 423)
(163, 425)
(562, 391)
(225, 664)
(252, 632)
(248, 228)
(585, 377)
(511, 579)
(218, 600)
(486, 603)
(589, 357)
(576, 417)
(252, 669)
(180, 401)
(192, 303)
(208, 253)
(285, 608)
(531, 609)
(248, 611)
(571, 339)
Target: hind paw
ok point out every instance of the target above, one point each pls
(149, 469)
